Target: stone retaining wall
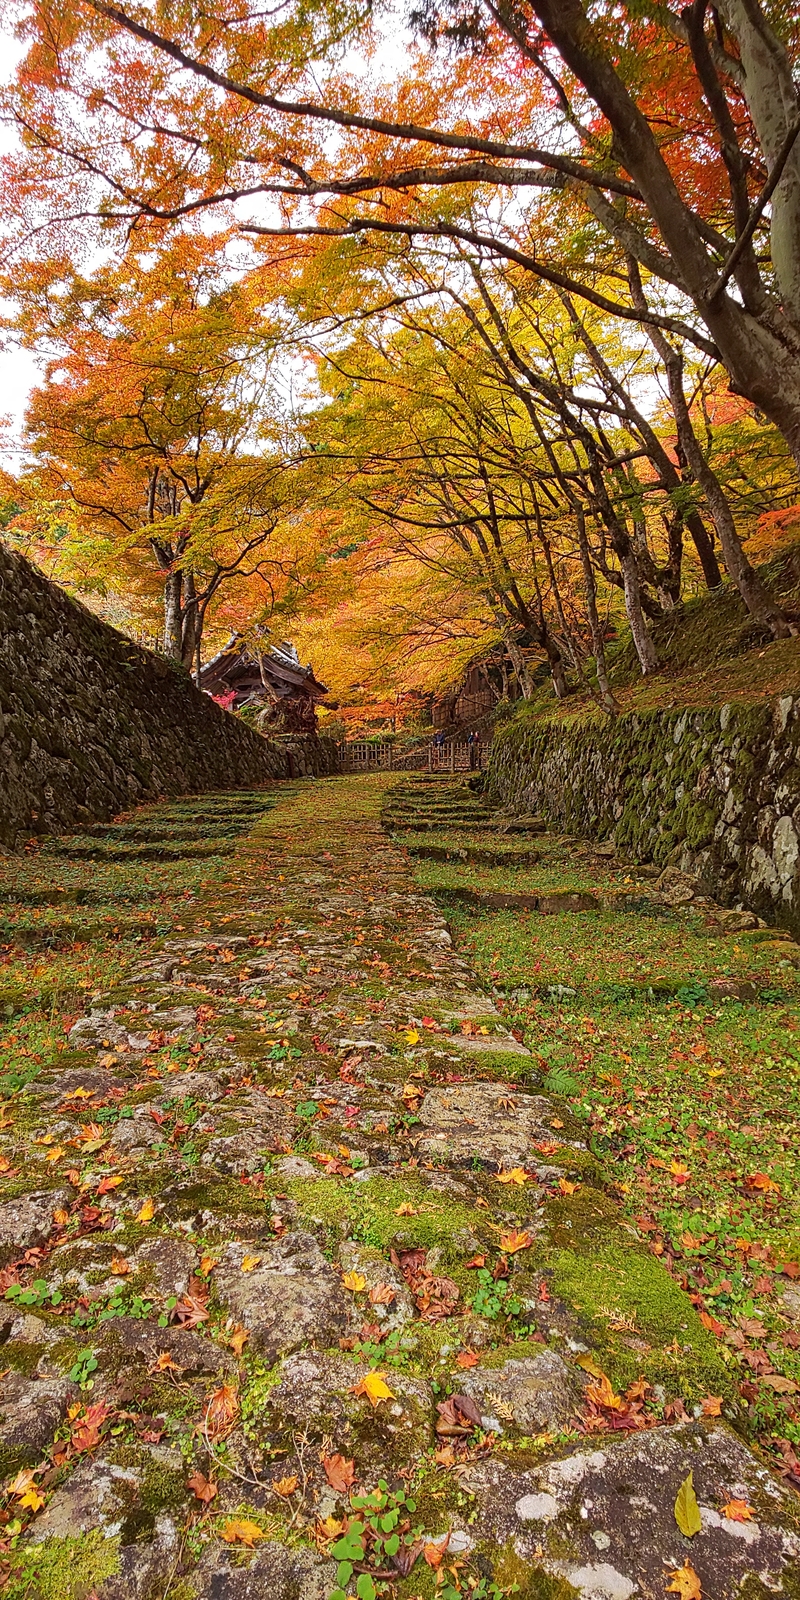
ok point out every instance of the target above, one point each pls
(90, 724)
(713, 791)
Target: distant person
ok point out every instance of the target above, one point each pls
(472, 741)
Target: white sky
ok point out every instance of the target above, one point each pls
(19, 368)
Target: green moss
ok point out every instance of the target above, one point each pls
(368, 1212)
(640, 1320)
(62, 1569)
(515, 1576)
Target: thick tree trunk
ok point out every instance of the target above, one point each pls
(704, 548)
(770, 92)
(761, 352)
(173, 633)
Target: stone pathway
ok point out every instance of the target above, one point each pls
(302, 1271)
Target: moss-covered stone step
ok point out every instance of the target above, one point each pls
(485, 854)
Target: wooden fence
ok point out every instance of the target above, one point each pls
(367, 755)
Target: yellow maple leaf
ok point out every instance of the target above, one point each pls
(412, 1037)
(32, 1500)
(239, 1531)
(146, 1211)
(514, 1175)
(567, 1187)
(685, 1583)
(249, 1263)
(54, 1155)
(354, 1282)
(119, 1267)
(375, 1387)
(207, 1264)
(406, 1210)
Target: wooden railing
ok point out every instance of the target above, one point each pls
(367, 755)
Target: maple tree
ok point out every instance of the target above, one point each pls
(150, 466)
(672, 133)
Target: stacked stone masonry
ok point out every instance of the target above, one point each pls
(713, 791)
(90, 724)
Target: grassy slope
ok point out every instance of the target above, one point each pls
(710, 653)
(691, 1100)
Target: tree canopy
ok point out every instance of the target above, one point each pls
(492, 336)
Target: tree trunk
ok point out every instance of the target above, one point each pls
(760, 351)
(521, 670)
(755, 595)
(640, 633)
(595, 626)
(173, 638)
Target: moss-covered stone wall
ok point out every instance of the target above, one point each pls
(715, 791)
(90, 724)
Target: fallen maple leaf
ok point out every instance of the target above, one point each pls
(381, 1294)
(238, 1338)
(207, 1265)
(239, 1531)
(467, 1358)
(340, 1472)
(249, 1263)
(763, 1182)
(737, 1511)
(285, 1487)
(54, 1155)
(202, 1487)
(412, 1036)
(119, 1267)
(685, 1583)
(712, 1405)
(32, 1500)
(514, 1175)
(22, 1482)
(405, 1210)
(146, 1212)
(476, 1261)
(190, 1312)
(375, 1387)
(601, 1393)
(60, 1217)
(107, 1184)
(515, 1240)
(435, 1551)
(221, 1411)
(165, 1363)
(354, 1281)
(567, 1187)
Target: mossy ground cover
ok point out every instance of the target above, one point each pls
(247, 1195)
(690, 1099)
(710, 653)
